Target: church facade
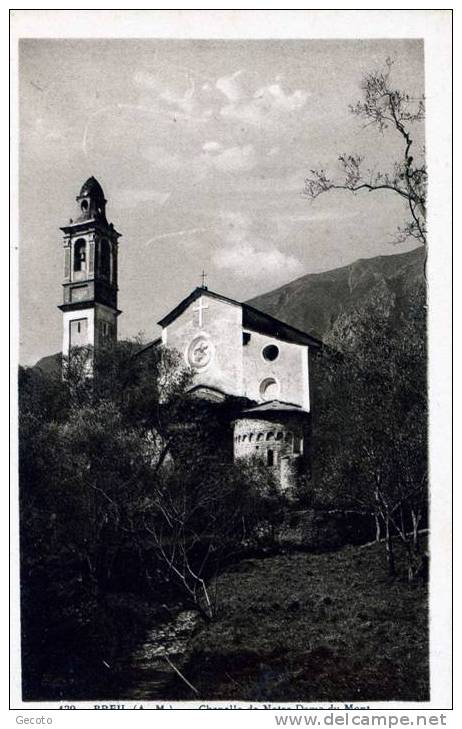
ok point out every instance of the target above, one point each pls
(234, 350)
(238, 351)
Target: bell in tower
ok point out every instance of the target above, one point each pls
(90, 274)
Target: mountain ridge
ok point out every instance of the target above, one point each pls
(313, 301)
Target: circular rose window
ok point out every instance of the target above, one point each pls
(200, 352)
(270, 353)
(269, 389)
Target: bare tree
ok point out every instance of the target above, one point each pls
(199, 512)
(387, 108)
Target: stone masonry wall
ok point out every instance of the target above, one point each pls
(279, 442)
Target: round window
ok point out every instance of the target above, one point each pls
(271, 352)
(200, 352)
(269, 389)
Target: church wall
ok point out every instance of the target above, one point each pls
(220, 337)
(280, 442)
(290, 370)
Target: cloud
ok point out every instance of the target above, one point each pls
(185, 104)
(274, 97)
(212, 157)
(267, 104)
(212, 146)
(234, 159)
(245, 254)
(243, 102)
(177, 234)
(246, 260)
(231, 87)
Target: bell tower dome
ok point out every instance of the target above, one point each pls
(91, 202)
(90, 273)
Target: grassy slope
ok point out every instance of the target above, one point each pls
(326, 627)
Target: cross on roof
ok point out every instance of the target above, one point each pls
(200, 308)
(203, 277)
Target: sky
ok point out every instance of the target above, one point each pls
(202, 149)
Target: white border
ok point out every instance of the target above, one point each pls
(435, 27)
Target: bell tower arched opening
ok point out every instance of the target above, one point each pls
(80, 255)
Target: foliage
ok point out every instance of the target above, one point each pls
(372, 425)
(124, 479)
(385, 107)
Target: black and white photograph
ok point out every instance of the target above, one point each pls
(225, 255)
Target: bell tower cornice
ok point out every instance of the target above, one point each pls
(91, 224)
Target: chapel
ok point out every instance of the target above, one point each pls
(236, 352)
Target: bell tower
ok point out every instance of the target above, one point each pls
(90, 273)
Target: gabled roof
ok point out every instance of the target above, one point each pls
(151, 345)
(259, 321)
(183, 305)
(252, 319)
